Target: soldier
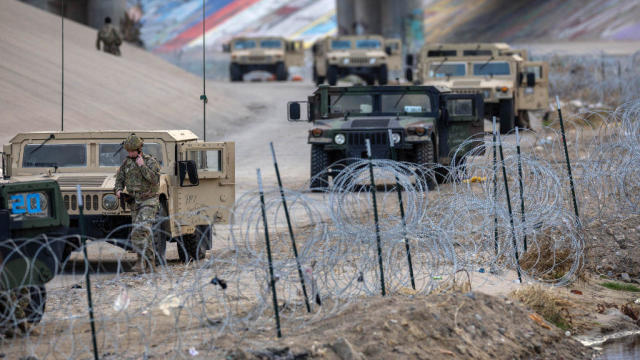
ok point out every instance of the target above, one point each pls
(140, 175)
(110, 37)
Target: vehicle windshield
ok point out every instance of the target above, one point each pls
(439, 70)
(51, 155)
(407, 103)
(492, 68)
(368, 44)
(271, 44)
(244, 44)
(351, 103)
(112, 154)
(340, 44)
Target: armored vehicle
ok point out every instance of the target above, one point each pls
(428, 124)
(33, 220)
(197, 182)
(369, 56)
(510, 84)
(271, 54)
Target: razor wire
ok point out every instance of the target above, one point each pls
(452, 216)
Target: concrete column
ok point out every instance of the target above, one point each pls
(368, 16)
(97, 10)
(393, 14)
(345, 11)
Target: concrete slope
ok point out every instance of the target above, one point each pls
(137, 90)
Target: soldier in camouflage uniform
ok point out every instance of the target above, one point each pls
(110, 38)
(140, 175)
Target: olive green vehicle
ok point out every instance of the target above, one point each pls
(33, 221)
(271, 54)
(428, 124)
(197, 182)
(510, 84)
(371, 57)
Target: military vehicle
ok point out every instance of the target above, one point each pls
(369, 56)
(510, 84)
(428, 124)
(33, 220)
(197, 182)
(271, 54)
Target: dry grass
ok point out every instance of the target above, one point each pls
(546, 261)
(545, 302)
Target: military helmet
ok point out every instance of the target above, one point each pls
(133, 142)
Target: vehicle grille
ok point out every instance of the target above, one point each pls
(467, 91)
(70, 181)
(376, 138)
(90, 202)
(359, 60)
(258, 58)
(370, 123)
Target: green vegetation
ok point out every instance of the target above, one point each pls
(620, 287)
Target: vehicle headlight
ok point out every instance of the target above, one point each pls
(339, 139)
(372, 61)
(345, 60)
(395, 137)
(109, 202)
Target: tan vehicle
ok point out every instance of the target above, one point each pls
(197, 182)
(271, 54)
(510, 84)
(369, 56)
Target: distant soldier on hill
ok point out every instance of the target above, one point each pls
(110, 38)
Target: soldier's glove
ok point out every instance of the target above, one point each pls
(126, 198)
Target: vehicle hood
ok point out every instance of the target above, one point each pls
(67, 181)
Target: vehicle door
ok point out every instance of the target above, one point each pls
(461, 123)
(533, 86)
(393, 48)
(294, 55)
(204, 183)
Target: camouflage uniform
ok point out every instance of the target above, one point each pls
(110, 38)
(142, 183)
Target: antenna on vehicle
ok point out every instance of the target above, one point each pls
(62, 90)
(203, 97)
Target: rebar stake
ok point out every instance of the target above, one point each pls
(394, 157)
(513, 227)
(293, 239)
(266, 239)
(566, 154)
(524, 226)
(375, 214)
(495, 188)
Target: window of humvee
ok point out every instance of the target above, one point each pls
(210, 160)
(271, 44)
(407, 103)
(492, 68)
(351, 103)
(52, 155)
(244, 44)
(439, 70)
(368, 44)
(113, 154)
(340, 44)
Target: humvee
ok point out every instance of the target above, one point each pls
(33, 220)
(510, 84)
(428, 124)
(271, 54)
(197, 182)
(369, 56)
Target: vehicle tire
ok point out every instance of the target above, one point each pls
(194, 246)
(319, 165)
(317, 79)
(332, 75)
(383, 75)
(235, 72)
(37, 303)
(281, 72)
(370, 79)
(425, 157)
(522, 120)
(161, 234)
(507, 119)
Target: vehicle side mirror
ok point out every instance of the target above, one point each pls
(226, 48)
(409, 75)
(188, 168)
(388, 50)
(409, 60)
(531, 79)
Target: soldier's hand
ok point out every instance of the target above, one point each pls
(139, 160)
(118, 194)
